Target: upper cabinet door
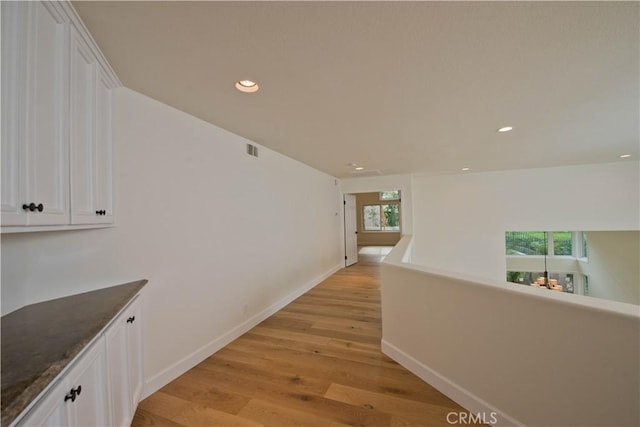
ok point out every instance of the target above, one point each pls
(13, 180)
(103, 174)
(46, 138)
(82, 131)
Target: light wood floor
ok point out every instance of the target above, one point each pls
(317, 362)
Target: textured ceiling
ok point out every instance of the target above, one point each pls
(397, 87)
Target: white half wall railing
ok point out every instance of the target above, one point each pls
(523, 356)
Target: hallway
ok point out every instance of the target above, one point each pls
(317, 362)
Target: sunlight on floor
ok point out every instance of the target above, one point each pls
(375, 250)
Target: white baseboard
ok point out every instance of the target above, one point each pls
(458, 394)
(161, 379)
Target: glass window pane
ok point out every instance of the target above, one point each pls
(391, 217)
(390, 195)
(371, 217)
(586, 285)
(584, 244)
(526, 242)
(562, 243)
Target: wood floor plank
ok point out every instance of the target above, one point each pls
(192, 414)
(144, 418)
(405, 408)
(206, 394)
(316, 362)
(406, 387)
(297, 396)
(291, 335)
(272, 415)
(285, 346)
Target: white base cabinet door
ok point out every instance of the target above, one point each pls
(80, 398)
(123, 339)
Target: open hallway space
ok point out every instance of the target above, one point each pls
(317, 362)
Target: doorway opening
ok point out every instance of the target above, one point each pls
(371, 219)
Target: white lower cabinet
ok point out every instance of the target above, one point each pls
(104, 384)
(79, 398)
(123, 340)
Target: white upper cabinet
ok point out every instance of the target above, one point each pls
(35, 166)
(56, 121)
(103, 166)
(82, 125)
(46, 134)
(91, 158)
(13, 88)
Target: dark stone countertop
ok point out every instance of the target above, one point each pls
(39, 340)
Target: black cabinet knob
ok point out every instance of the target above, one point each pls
(131, 319)
(101, 212)
(40, 207)
(77, 390)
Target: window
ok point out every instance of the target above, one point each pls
(383, 217)
(390, 195)
(539, 243)
(584, 245)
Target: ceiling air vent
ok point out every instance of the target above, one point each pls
(252, 150)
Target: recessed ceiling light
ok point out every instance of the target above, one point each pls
(624, 156)
(465, 169)
(247, 86)
(505, 129)
(359, 168)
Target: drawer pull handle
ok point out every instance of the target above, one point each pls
(131, 319)
(73, 393)
(32, 207)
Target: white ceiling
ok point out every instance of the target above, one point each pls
(397, 87)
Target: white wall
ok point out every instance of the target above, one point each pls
(537, 358)
(386, 183)
(211, 228)
(460, 220)
(613, 265)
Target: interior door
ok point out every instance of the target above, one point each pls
(350, 230)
